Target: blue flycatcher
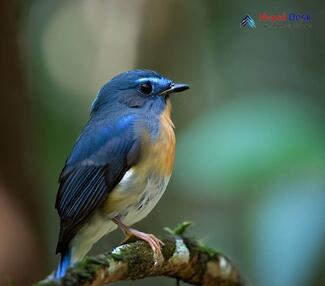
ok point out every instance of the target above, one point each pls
(119, 166)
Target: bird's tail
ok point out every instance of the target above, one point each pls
(65, 262)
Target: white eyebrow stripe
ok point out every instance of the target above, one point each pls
(151, 79)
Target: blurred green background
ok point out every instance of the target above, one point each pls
(250, 161)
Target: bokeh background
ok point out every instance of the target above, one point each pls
(250, 161)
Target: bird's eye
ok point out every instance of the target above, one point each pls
(146, 88)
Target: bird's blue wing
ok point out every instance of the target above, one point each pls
(100, 158)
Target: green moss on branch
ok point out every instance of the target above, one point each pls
(182, 258)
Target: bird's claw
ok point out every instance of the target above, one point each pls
(154, 242)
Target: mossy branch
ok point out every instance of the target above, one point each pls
(182, 258)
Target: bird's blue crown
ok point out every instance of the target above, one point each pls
(133, 88)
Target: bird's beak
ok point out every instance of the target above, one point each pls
(175, 87)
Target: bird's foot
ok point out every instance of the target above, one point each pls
(154, 242)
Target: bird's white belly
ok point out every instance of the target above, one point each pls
(148, 195)
(144, 195)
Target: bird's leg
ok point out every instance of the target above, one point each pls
(154, 242)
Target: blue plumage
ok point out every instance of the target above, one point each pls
(96, 164)
(126, 110)
(64, 264)
(95, 139)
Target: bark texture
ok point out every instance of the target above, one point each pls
(182, 258)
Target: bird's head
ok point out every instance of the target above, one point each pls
(136, 89)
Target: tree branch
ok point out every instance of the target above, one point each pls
(182, 258)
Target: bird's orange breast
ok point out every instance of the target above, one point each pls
(155, 167)
(161, 154)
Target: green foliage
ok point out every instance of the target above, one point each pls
(180, 229)
(247, 142)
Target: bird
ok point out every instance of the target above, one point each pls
(119, 166)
